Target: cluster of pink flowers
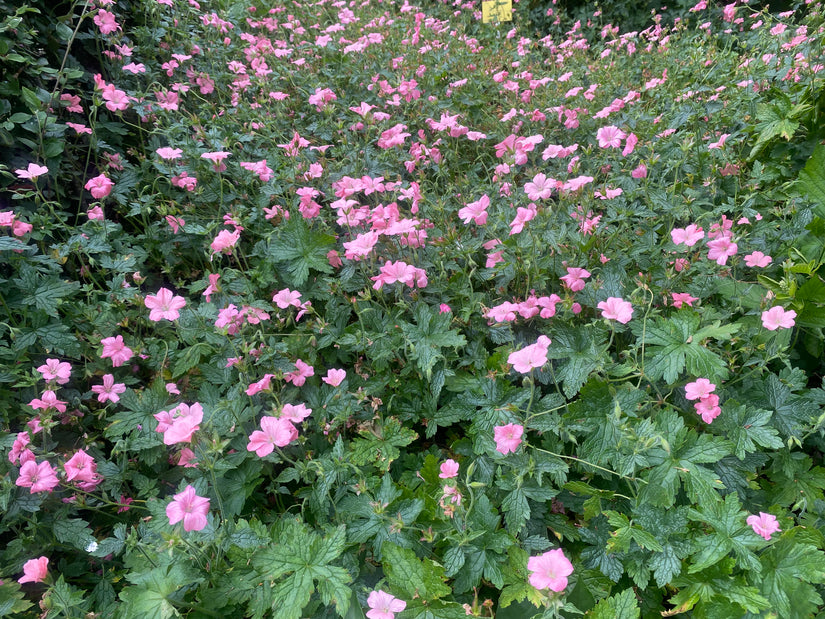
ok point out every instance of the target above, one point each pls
(232, 319)
(615, 308)
(544, 306)
(8, 219)
(402, 272)
(529, 357)
(278, 431)
(708, 402)
(116, 100)
(180, 423)
(260, 169)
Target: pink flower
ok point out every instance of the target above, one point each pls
(680, 298)
(334, 377)
(109, 390)
(493, 259)
(383, 605)
(169, 153)
(37, 477)
(216, 157)
(758, 259)
(95, 213)
(114, 348)
(549, 570)
(19, 446)
(616, 309)
(475, 211)
(689, 236)
(35, 570)
(449, 469)
(32, 171)
(286, 298)
(54, 369)
(361, 246)
(190, 508)
(212, 287)
(179, 424)
(274, 432)
(82, 467)
(574, 280)
(777, 318)
(708, 408)
(444, 309)
(176, 223)
(164, 305)
(529, 357)
(100, 186)
(763, 524)
(721, 249)
(106, 22)
(225, 241)
(610, 137)
(698, 389)
(302, 372)
(540, 188)
(508, 437)
(639, 171)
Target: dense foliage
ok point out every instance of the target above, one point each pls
(371, 309)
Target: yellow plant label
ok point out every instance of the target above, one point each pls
(496, 10)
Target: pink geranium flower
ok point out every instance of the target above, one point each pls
(610, 137)
(449, 469)
(57, 370)
(758, 259)
(116, 350)
(698, 389)
(109, 390)
(529, 357)
(190, 508)
(679, 298)
(164, 305)
(37, 477)
(302, 371)
(334, 377)
(100, 186)
(81, 466)
(169, 153)
(721, 249)
(549, 570)
(574, 280)
(763, 524)
(689, 236)
(615, 308)
(475, 211)
(32, 171)
(777, 318)
(274, 432)
(35, 570)
(383, 605)
(508, 438)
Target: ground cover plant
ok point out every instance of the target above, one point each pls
(370, 309)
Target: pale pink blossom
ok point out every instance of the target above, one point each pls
(274, 432)
(508, 438)
(574, 280)
(334, 377)
(35, 570)
(109, 390)
(758, 259)
(529, 357)
(190, 508)
(32, 171)
(763, 524)
(475, 211)
(778, 318)
(689, 236)
(549, 570)
(37, 477)
(99, 186)
(610, 137)
(115, 349)
(286, 298)
(383, 605)
(56, 370)
(168, 153)
(302, 371)
(679, 298)
(82, 467)
(698, 389)
(721, 249)
(164, 305)
(449, 469)
(615, 308)
(708, 407)
(225, 241)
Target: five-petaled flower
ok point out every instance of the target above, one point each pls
(763, 524)
(615, 308)
(383, 605)
(508, 438)
(778, 318)
(529, 357)
(35, 570)
(100, 186)
(190, 508)
(549, 570)
(164, 305)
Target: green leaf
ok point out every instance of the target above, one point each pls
(12, 599)
(418, 578)
(48, 294)
(430, 333)
(812, 178)
(379, 445)
(790, 570)
(189, 358)
(622, 605)
(746, 427)
(516, 510)
(665, 565)
(73, 531)
(302, 249)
